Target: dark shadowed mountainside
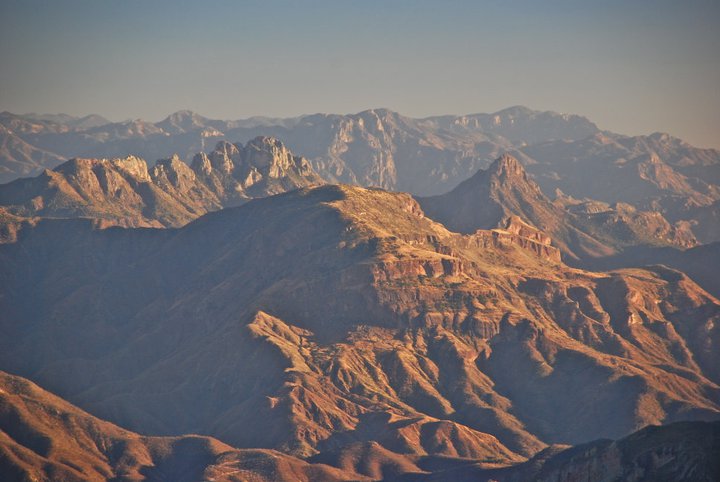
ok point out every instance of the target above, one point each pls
(44, 438)
(686, 451)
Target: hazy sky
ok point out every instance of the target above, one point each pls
(632, 66)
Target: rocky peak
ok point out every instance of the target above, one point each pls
(172, 170)
(88, 122)
(506, 167)
(173, 160)
(377, 120)
(490, 196)
(506, 177)
(266, 153)
(133, 166)
(222, 157)
(271, 158)
(182, 115)
(264, 165)
(662, 137)
(130, 166)
(182, 121)
(76, 164)
(201, 164)
(132, 128)
(171, 193)
(516, 111)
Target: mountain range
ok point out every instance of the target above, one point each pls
(355, 319)
(273, 309)
(567, 154)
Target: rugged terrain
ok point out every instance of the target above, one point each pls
(582, 230)
(316, 320)
(46, 438)
(656, 172)
(126, 192)
(312, 331)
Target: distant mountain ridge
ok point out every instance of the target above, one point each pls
(657, 172)
(429, 156)
(336, 144)
(504, 197)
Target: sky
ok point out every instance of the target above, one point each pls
(631, 66)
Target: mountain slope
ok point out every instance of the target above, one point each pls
(687, 452)
(323, 317)
(21, 159)
(44, 438)
(698, 262)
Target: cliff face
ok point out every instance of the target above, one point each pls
(315, 319)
